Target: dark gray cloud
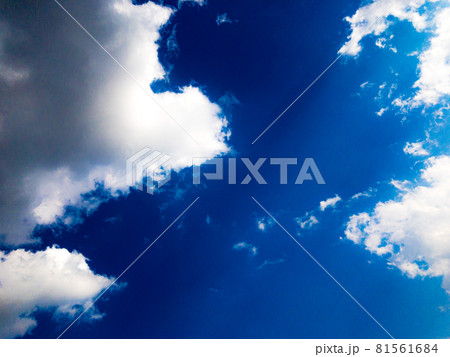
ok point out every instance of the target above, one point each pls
(69, 115)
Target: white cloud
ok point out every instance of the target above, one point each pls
(413, 54)
(433, 85)
(53, 278)
(271, 262)
(77, 116)
(414, 229)
(252, 250)
(364, 22)
(367, 193)
(381, 111)
(309, 219)
(307, 222)
(403, 104)
(415, 149)
(223, 19)
(330, 202)
(264, 223)
(380, 42)
(261, 225)
(366, 84)
(401, 185)
(434, 67)
(359, 195)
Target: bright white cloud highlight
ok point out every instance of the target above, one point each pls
(415, 149)
(434, 68)
(90, 116)
(380, 42)
(413, 229)
(330, 202)
(53, 278)
(70, 119)
(381, 111)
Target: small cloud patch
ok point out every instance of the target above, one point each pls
(330, 202)
(252, 250)
(223, 19)
(264, 223)
(415, 149)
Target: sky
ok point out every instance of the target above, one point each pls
(363, 254)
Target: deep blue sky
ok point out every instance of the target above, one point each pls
(192, 284)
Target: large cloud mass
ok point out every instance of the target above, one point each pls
(414, 229)
(70, 116)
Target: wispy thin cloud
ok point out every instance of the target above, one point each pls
(271, 262)
(252, 250)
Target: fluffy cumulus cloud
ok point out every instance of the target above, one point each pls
(373, 19)
(431, 16)
(381, 111)
(50, 279)
(330, 202)
(310, 220)
(70, 116)
(434, 68)
(415, 149)
(413, 230)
